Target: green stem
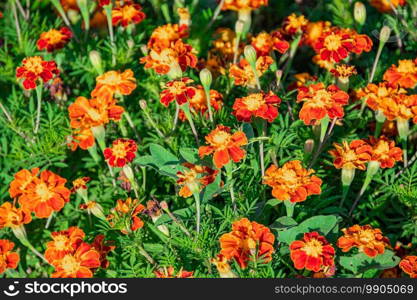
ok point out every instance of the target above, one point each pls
(229, 176)
(39, 107)
(289, 207)
(197, 211)
(186, 108)
(108, 10)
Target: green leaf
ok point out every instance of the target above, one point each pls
(212, 189)
(283, 223)
(161, 156)
(190, 155)
(360, 263)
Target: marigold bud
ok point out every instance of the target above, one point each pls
(347, 176)
(239, 27)
(143, 105)
(250, 54)
(309, 146)
(403, 128)
(384, 34)
(359, 13)
(206, 78)
(95, 59)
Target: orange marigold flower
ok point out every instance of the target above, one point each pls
(367, 239)
(63, 242)
(184, 14)
(13, 217)
(95, 112)
(103, 247)
(313, 252)
(225, 42)
(130, 208)
(354, 155)
(409, 265)
(293, 24)
(77, 264)
(122, 152)
(343, 71)
(43, 194)
(114, 83)
(70, 5)
(314, 30)
(198, 102)
(386, 6)
(257, 105)
(163, 36)
(325, 64)
(83, 138)
(54, 39)
(194, 178)
(80, 183)
(224, 146)
(301, 79)
(170, 273)
(292, 182)
(128, 13)
(223, 266)
(8, 259)
(238, 5)
(384, 151)
(247, 240)
(34, 70)
(264, 43)
(242, 72)
(320, 101)
(405, 74)
(177, 90)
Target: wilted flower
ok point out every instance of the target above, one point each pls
(224, 146)
(260, 105)
(247, 241)
(292, 182)
(313, 252)
(367, 239)
(35, 70)
(54, 39)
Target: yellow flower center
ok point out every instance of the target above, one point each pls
(60, 242)
(382, 149)
(313, 248)
(43, 192)
(129, 11)
(366, 236)
(407, 66)
(119, 150)
(34, 64)
(54, 36)
(253, 102)
(333, 42)
(221, 139)
(112, 78)
(69, 264)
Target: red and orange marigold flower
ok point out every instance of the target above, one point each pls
(384, 151)
(242, 72)
(8, 259)
(367, 239)
(319, 102)
(198, 102)
(130, 209)
(163, 36)
(63, 242)
(259, 105)
(177, 90)
(122, 152)
(54, 39)
(405, 74)
(224, 146)
(313, 253)
(239, 5)
(128, 13)
(170, 273)
(409, 265)
(292, 182)
(294, 24)
(247, 241)
(114, 83)
(194, 178)
(39, 192)
(82, 137)
(13, 217)
(35, 70)
(264, 43)
(353, 155)
(386, 6)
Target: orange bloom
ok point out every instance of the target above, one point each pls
(301, 79)
(314, 30)
(257, 105)
(80, 183)
(103, 247)
(77, 264)
(198, 102)
(128, 13)
(223, 266)
(325, 64)
(35, 69)
(164, 36)
(243, 4)
(320, 101)
(194, 178)
(63, 242)
(367, 239)
(224, 146)
(384, 151)
(409, 265)
(343, 71)
(13, 217)
(123, 151)
(42, 193)
(292, 182)
(170, 273)
(8, 259)
(386, 6)
(95, 112)
(246, 241)
(128, 208)
(54, 39)
(313, 252)
(405, 74)
(293, 24)
(264, 43)
(70, 5)
(177, 90)
(242, 72)
(83, 138)
(114, 83)
(351, 156)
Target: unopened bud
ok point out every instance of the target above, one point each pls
(239, 27)
(143, 105)
(373, 167)
(347, 176)
(309, 146)
(130, 44)
(95, 59)
(403, 128)
(359, 13)
(206, 78)
(384, 34)
(379, 116)
(164, 205)
(144, 49)
(250, 54)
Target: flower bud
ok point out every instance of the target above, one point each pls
(403, 128)
(130, 44)
(239, 27)
(206, 78)
(379, 116)
(359, 13)
(373, 167)
(309, 146)
(250, 54)
(143, 105)
(144, 49)
(347, 176)
(384, 34)
(164, 205)
(95, 59)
